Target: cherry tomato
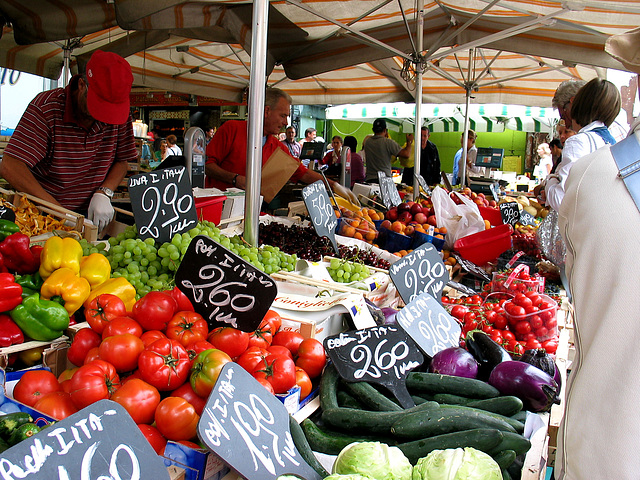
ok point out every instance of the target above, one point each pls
(154, 437)
(469, 316)
(496, 336)
(523, 327)
(551, 323)
(532, 343)
(508, 335)
(542, 332)
(176, 419)
(187, 327)
(139, 399)
(500, 322)
(122, 351)
(290, 340)
(304, 382)
(83, 341)
(33, 385)
(102, 309)
(536, 322)
(57, 405)
(311, 357)
(522, 300)
(230, 340)
(550, 346)
(458, 311)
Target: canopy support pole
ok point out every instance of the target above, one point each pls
(465, 136)
(255, 123)
(417, 136)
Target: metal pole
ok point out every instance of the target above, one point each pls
(417, 136)
(255, 121)
(66, 71)
(463, 174)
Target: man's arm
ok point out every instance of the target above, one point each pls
(19, 175)
(115, 175)
(214, 170)
(406, 151)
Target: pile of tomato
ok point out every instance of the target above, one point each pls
(160, 362)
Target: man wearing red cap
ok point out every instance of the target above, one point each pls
(72, 145)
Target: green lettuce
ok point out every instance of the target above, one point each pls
(378, 460)
(457, 464)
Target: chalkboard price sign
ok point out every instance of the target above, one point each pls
(423, 184)
(162, 203)
(383, 355)
(248, 428)
(223, 288)
(321, 211)
(429, 325)
(99, 442)
(7, 214)
(510, 213)
(388, 191)
(420, 271)
(527, 219)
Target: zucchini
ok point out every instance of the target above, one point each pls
(436, 383)
(445, 420)
(521, 416)
(507, 405)
(331, 442)
(23, 432)
(11, 421)
(484, 439)
(418, 400)
(512, 441)
(366, 394)
(3, 445)
(347, 401)
(329, 387)
(301, 443)
(451, 399)
(505, 458)
(517, 426)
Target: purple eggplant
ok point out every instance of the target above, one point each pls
(487, 353)
(454, 361)
(537, 389)
(538, 357)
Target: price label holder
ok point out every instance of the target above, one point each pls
(527, 219)
(388, 191)
(99, 441)
(495, 190)
(423, 184)
(429, 325)
(510, 213)
(223, 288)
(321, 211)
(382, 355)
(471, 268)
(7, 214)
(420, 271)
(162, 203)
(248, 428)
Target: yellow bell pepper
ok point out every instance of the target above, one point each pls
(60, 252)
(95, 268)
(63, 283)
(118, 286)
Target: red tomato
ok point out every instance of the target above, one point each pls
(490, 316)
(550, 346)
(280, 350)
(551, 323)
(230, 340)
(164, 364)
(458, 311)
(487, 328)
(522, 300)
(279, 371)
(57, 405)
(33, 384)
(523, 327)
(273, 318)
(262, 336)
(542, 332)
(253, 356)
(176, 419)
(92, 382)
(500, 322)
(139, 399)
(496, 336)
(122, 351)
(154, 437)
(535, 298)
(186, 391)
(93, 354)
(64, 379)
(102, 309)
(194, 348)
(120, 325)
(444, 299)
(155, 310)
(265, 383)
(304, 382)
(532, 343)
(474, 300)
(151, 336)
(311, 357)
(468, 317)
(187, 327)
(291, 340)
(182, 301)
(83, 341)
(536, 322)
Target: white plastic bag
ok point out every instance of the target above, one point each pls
(460, 220)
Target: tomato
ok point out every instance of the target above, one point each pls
(490, 316)
(189, 444)
(304, 382)
(122, 351)
(83, 341)
(507, 335)
(523, 327)
(280, 350)
(94, 381)
(536, 322)
(155, 310)
(187, 327)
(139, 399)
(550, 346)
(266, 384)
(516, 311)
(206, 369)
(186, 391)
(311, 357)
(164, 364)
(120, 325)
(487, 328)
(496, 336)
(542, 332)
(176, 419)
(551, 323)
(93, 354)
(230, 340)
(33, 384)
(57, 405)
(291, 340)
(182, 301)
(154, 437)
(194, 348)
(274, 319)
(468, 317)
(444, 299)
(458, 311)
(532, 343)
(262, 336)
(535, 298)
(254, 355)
(151, 336)
(474, 300)
(64, 379)
(102, 309)
(279, 371)
(500, 322)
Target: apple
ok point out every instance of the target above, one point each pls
(409, 229)
(404, 207)
(431, 220)
(392, 214)
(405, 217)
(493, 203)
(397, 226)
(420, 217)
(385, 224)
(416, 208)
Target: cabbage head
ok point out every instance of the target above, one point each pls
(378, 460)
(354, 476)
(457, 464)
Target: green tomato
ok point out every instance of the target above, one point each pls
(206, 369)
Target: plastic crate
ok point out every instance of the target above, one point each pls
(492, 214)
(485, 246)
(210, 208)
(420, 238)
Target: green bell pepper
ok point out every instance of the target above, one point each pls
(30, 283)
(7, 227)
(42, 320)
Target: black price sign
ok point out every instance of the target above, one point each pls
(162, 203)
(321, 211)
(99, 442)
(510, 213)
(223, 288)
(429, 325)
(423, 184)
(7, 213)
(388, 191)
(471, 268)
(420, 271)
(383, 355)
(248, 428)
(527, 219)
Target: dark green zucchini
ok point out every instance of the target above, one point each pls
(521, 416)
(23, 432)
(331, 442)
(506, 405)
(366, 394)
(451, 399)
(517, 426)
(435, 383)
(512, 441)
(505, 458)
(301, 443)
(11, 421)
(329, 387)
(347, 401)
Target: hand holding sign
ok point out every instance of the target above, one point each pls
(420, 271)
(321, 211)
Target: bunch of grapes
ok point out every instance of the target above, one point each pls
(303, 241)
(368, 257)
(343, 271)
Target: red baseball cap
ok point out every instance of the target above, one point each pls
(109, 77)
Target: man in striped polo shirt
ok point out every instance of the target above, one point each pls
(72, 145)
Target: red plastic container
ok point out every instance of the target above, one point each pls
(492, 214)
(485, 246)
(210, 208)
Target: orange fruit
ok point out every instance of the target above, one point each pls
(357, 236)
(443, 229)
(348, 231)
(370, 236)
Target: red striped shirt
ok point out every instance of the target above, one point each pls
(67, 160)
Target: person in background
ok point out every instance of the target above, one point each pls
(172, 144)
(72, 144)
(309, 136)
(209, 133)
(358, 173)
(362, 153)
(556, 153)
(472, 153)
(380, 148)
(290, 141)
(429, 159)
(163, 152)
(545, 162)
(333, 157)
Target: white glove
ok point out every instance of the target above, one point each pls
(101, 211)
(346, 193)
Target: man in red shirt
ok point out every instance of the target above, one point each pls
(72, 145)
(227, 152)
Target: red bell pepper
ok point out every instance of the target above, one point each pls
(18, 257)
(10, 292)
(10, 333)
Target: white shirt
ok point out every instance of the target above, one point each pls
(175, 150)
